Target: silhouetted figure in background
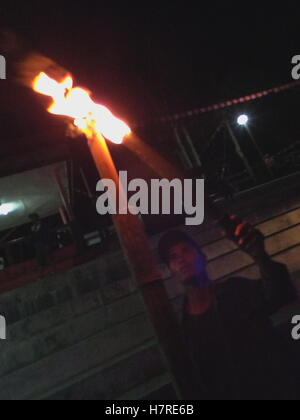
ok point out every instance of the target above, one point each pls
(40, 237)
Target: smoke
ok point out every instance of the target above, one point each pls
(33, 64)
(9, 43)
(25, 63)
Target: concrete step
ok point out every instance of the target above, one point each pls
(23, 351)
(108, 384)
(100, 276)
(60, 367)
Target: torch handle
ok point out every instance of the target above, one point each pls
(148, 278)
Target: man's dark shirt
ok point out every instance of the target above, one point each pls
(236, 352)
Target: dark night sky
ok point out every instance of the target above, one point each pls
(145, 61)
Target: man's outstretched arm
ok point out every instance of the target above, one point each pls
(277, 283)
(278, 286)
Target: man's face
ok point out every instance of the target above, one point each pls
(186, 261)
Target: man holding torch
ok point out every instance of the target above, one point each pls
(228, 332)
(235, 351)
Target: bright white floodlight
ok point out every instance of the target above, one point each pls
(243, 119)
(5, 209)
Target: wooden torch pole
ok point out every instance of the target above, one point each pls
(145, 272)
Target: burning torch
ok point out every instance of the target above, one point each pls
(99, 125)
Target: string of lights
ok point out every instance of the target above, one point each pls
(224, 104)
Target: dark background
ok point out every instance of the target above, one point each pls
(144, 61)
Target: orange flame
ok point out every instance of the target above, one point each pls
(76, 103)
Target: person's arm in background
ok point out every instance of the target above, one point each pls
(277, 283)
